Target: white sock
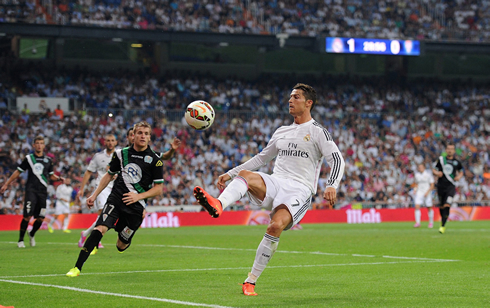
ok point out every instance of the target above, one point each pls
(234, 191)
(51, 222)
(89, 230)
(266, 250)
(65, 222)
(417, 215)
(431, 216)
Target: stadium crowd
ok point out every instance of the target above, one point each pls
(467, 20)
(383, 128)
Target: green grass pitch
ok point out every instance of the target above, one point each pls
(324, 265)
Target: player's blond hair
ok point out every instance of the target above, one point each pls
(141, 124)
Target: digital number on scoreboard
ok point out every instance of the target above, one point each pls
(347, 45)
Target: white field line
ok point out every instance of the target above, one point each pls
(278, 251)
(114, 294)
(230, 268)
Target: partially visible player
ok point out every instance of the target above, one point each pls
(40, 168)
(63, 198)
(130, 137)
(299, 150)
(448, 170)
(99, 164)
(424, 185)
(140, 177)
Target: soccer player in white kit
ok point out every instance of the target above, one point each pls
(63, 198)
(99, 164)
(424, 184)
(299, 150)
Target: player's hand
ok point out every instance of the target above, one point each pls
(91, 201)
(79, 194)
(176, 143)
(3, 188)
(130, 198)
(330, 195)
(222, 181)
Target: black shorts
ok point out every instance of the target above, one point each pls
(446, 194)
(123, 218)
(35, 204)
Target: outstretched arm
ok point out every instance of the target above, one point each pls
(174, 146)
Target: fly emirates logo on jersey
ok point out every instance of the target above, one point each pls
(293, 150)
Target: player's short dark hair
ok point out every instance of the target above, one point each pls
(129, 131)
(308, 91)
(38, 138)
(450, 143)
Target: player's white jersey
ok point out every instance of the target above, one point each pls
(300, 150)
(423, 181)
(64, 192)
(100, 164)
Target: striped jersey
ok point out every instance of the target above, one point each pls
(100, 164)
(40, 168)
(299, 150)
(137, 172)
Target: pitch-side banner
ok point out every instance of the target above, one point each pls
(177, 219)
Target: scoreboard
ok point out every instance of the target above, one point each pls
(347, 45)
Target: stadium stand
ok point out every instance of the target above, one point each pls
(379, 125)
(407, 19)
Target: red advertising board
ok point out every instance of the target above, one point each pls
(178, 219)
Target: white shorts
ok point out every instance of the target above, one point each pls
(420, 199)
(294, 195)
(102, 198)
(62, 207)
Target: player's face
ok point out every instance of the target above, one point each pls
(131, 137)
(421, 168)
(110, 143)
(142, 136)
(39, 146)
(67, 181)
(297, 103)
(450, 150)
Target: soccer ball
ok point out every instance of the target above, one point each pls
(199, 115)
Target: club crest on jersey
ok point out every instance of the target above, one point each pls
(104, 217)
(148, 159)
(448, 169)
(46, 160)
(132, 173)
(38, 168)
(307, 137)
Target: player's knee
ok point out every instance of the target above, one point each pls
(275, 228)
(101, 229)
(247, 175)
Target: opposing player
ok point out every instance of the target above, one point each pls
(63, 198)
(140, 177)
(99, 164)
(299, 149)
(39, 168)
(448, 171)
(424, 185)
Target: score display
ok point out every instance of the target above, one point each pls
(348, 45)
